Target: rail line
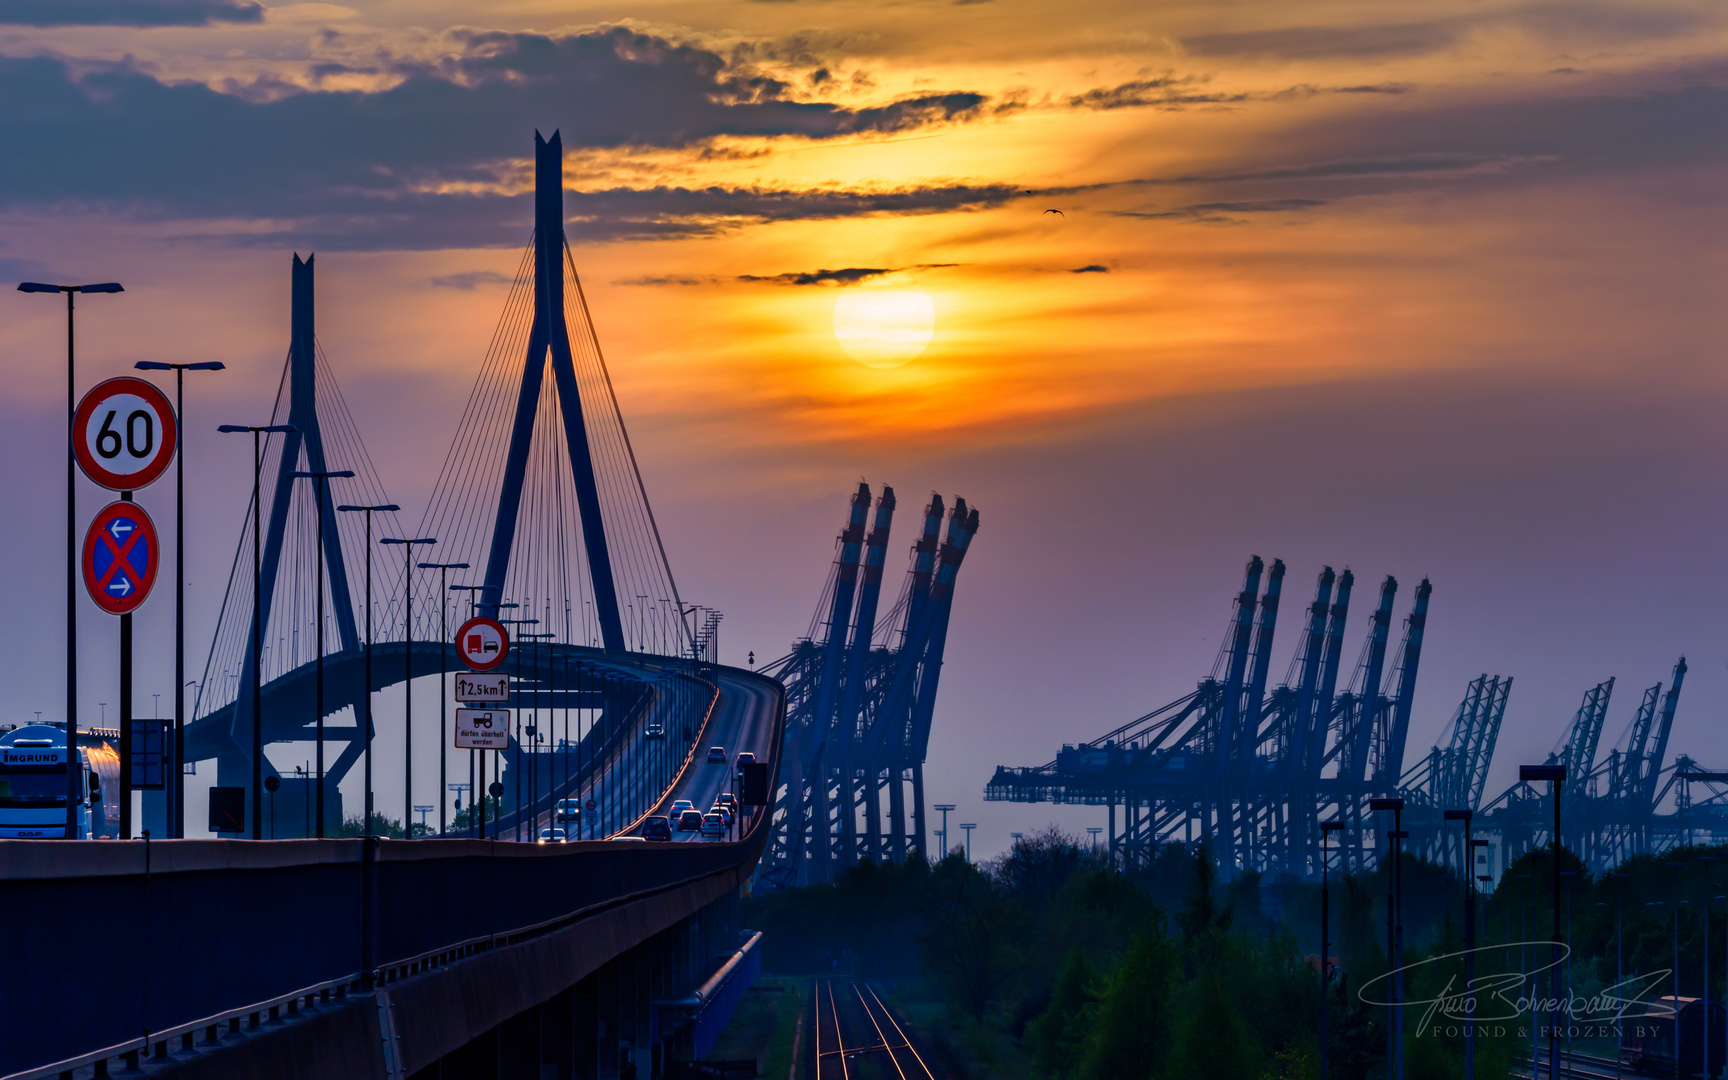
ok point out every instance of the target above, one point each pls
(857, 1038)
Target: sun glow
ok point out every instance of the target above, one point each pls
(884, 328)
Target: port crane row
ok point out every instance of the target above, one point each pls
(1252, 770)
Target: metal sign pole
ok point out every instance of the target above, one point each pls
(126, 746)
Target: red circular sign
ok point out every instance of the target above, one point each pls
(124, 434)
(121, 555)
(482, 643)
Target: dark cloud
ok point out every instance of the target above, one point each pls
(360, 164)
(1219, 213)
(1171, 92)
(128, 12)
(468, 279)
(851, 275)
(1094, 268)
(1168, 92)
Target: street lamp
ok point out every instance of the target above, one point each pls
(368, 511)
(407, 670)
(968, 828)
(1395, 932)
(320, 478)
(257, 615)
(443, 569)
(177, 786)
(943, 831)
(423, 811)
(1469, 939)
(74, 781)
(1619, 968)
(1327, 828)
(1556, 777)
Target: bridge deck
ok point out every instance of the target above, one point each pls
(113, 938)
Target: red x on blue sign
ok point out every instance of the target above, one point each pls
(120, 557)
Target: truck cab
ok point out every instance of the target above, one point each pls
(33, 785)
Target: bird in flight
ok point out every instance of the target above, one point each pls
(1058, 213)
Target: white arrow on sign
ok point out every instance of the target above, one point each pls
(118, 528)
(119, 585)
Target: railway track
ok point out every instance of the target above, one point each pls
(1579, 1066)
(856, 1037)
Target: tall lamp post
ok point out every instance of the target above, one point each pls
(1619, 967)
(258, 432)
(1395, 931)
(1327, 828)
(968, 827)
(1469, 939)
(943, 831)
(408, 674)
(177, 785)
(367, 718)
(443, 569)
(74, 779)
(320, 478)
(1556, 777)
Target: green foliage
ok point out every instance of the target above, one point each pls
(355, 825)
(1054, 1037)
(1130, 1037)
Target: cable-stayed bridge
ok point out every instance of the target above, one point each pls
(601, 957)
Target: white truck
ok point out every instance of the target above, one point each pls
(33, 791)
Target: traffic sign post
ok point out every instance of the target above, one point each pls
(121, 556)
(483, 729)
(124, 434)
(482, 643)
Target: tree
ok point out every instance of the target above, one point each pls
(1054, 1037)
(1213, 1043)
(967, 934)
(1130, 1038)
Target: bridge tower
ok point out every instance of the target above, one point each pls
(301, 449)
(550, 334)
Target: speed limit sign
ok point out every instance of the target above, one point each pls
(124, 434)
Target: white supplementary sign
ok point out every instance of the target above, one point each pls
(471, 686)
(483, 729)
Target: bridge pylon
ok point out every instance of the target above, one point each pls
(551, 335)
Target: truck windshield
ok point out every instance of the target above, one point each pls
(33, 787)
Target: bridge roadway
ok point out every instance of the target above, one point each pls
(742, 719)
(295, 958)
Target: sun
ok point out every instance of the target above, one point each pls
(884, 328)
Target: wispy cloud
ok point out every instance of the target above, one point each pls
(1094, 268)
(468, 279)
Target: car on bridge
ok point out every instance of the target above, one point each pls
(728, 800)
(656, 829)
(673, 815)
(713, 825)
(724, 811)
(745, 757)
(655, 731)
(553, 835)
(568, 812)
(716, 755)
(690, 821)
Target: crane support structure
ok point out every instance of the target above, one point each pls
(860, 707)
(1252, 772)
